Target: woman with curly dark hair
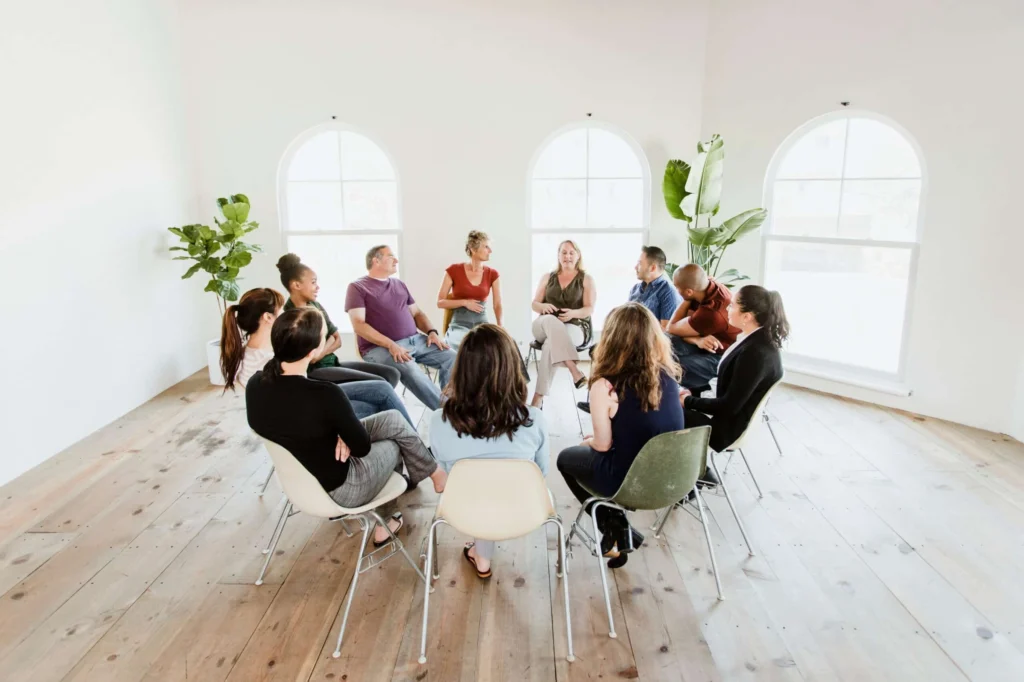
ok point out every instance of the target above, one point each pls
(485, 415)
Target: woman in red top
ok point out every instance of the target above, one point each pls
(466, 287)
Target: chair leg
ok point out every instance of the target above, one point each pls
(659, 523)
(376, 517)
(752, 476)
(267, 482)
(728, 498)
(431, 547)
(355, 578)
(768, 423)
(564, 575)
(274, 539)
(711, 549)
(601, 567)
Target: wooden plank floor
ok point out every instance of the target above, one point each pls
(889, 547)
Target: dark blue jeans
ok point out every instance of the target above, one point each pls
(699, 366)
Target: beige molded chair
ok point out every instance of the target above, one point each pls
(494, 499)
(305, 494)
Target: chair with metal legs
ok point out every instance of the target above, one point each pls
(664, 472)
(534, 354)
(494, 499)
(305, 494)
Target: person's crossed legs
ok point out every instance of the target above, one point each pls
(414, 378)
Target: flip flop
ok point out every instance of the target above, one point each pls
(397, 516)
(483, 575)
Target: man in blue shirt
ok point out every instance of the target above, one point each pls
(654, 290)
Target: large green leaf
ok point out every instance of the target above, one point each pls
(240, 198)
(704, 236)
(238, 259)
(192, 270)
(235, 212)
(742, 224)
(673, 187)
(206, 233)
(704, 184)
(211, 265)
(178, 231)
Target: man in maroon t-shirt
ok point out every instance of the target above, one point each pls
(699, 329)
(388, 323)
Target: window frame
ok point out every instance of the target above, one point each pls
(893, 382)
(282, 187)
(645, 171)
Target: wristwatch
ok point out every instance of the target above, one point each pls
(432, 331)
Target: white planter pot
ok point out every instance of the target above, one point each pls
(213, 361)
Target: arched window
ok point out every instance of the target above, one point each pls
(841, 242)
(338, 194)
(591, 183)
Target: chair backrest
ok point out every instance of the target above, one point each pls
(447, 317)
(755, 418)
(303, 490)
(666, 469)
(495, 499)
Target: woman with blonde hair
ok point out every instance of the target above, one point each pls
(485, 416)
(564, 301)
(465, 289)
(633, 398)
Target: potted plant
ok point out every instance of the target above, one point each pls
(693, 194)
(222, 254)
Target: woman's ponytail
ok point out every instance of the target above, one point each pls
(231, 348)
(778, 325)
(766, 307)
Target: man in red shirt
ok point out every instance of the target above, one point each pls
(699, 329)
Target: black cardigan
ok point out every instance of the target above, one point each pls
(744, 377)
(306, 417)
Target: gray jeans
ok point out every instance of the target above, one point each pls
(393, 443)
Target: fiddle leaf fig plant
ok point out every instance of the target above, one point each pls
(219, 251)
(693, 194)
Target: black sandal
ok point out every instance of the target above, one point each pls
(483, 575)
(397, 516)
(581, 382)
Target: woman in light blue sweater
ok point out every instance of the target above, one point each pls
(485, 415)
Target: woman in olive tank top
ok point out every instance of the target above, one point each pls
(565, 299)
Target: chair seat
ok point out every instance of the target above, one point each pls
(393, 488)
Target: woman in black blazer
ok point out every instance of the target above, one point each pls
(749, 369)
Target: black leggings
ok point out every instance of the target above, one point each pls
(577, 466)
(355, 370)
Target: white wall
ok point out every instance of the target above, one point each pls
(92, 171)
(948, 72)
(461, 93)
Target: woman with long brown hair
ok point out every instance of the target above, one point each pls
(485, 415)
(633, 398)
(564, 301)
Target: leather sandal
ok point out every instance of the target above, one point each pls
(483, 575)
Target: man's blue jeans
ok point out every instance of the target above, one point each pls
(699, 366)
(371, 397)
(425, 390)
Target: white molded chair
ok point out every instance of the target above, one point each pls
(494, 499)
(305, 494)
(758, 416)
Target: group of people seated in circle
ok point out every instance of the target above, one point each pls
(656, 355)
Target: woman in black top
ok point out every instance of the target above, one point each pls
(633, 398)
(748, 370)
(352, 459)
